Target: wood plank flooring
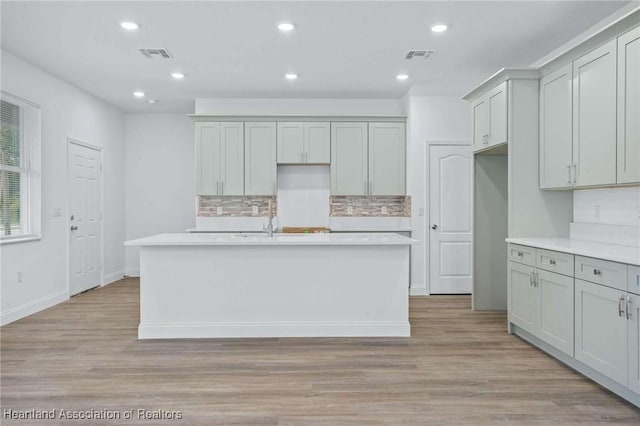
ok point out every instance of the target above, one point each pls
(459, 368)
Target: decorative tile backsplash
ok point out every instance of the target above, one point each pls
(240, 206)
(371, 206)
(340, 206)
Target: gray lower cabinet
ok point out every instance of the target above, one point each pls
(541, 303)
(602, 329)
(585, 307)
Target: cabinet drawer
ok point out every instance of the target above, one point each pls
(633, 283)
(554, 261)
(522, 254)
(602, 272)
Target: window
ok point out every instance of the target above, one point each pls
(19, 173)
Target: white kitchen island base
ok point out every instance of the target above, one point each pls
(204, 286)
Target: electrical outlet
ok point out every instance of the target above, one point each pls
(596, 212)
(19, 276)
(219, 210)
(255, 210)
(57, 212)
(420, 211)
(349, 210)
(383, 210)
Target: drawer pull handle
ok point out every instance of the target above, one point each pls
(628, 307)
(621, 306)
(597, 272)
(552, 262)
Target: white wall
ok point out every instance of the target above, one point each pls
(279, 106)
(66, 112)
(430, 121)
(160, 176)
(610, 206)
(303, 195)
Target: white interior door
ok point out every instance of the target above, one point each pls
(85, 246)
(450, 186)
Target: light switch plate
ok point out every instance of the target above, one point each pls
(57, 212)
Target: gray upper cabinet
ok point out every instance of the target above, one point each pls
(304, 143)
(556, 153)
(387, 159)
(480, 119)
(290, 143)
(489, 116)
(349, 158)
(260, 158)
(629, 107)
(317, 142)
(594, 117)
(207, 158)
(368, 158)
(497, 99)
(219, 158)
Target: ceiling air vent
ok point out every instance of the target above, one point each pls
(426, 54)
(156, 53)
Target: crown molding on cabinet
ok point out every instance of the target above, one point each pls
(365, 118)
(501, 76)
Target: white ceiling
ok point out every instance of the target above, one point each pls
(233, 49)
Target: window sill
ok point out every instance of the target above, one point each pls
(20, 239)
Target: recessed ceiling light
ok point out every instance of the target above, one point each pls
(291, 76)
(439, 28)
(402, 76)
(129, 25)
(286, 26)
(153, 101)
(138, 94)
(177, 75)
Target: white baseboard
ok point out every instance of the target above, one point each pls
(132, 272)
(276, 329)
(418, 291)
(32, 307)
(113, 277)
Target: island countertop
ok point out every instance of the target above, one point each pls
(261, 239)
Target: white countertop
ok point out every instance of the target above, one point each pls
(615, 253)
(212, 239)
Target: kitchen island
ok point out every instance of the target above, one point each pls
(253, 285)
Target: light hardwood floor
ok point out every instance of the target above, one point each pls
(459, 367)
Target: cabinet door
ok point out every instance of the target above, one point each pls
(349, 158)
(232, 158)
(555, 129)
(387, 158)
(260, 158)
(556, 310)
(317, 142)
(522, 300)
(633, 318)
(480, 118)
(629, 107)
(207, 158)
(290, 143)
(601, 330)
(497, 103)
(594, 116)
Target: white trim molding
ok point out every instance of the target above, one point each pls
(33, 307)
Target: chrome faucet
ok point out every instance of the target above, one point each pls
(269, 228)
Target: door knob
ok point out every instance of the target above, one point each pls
(74, 228)
(434, 226)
